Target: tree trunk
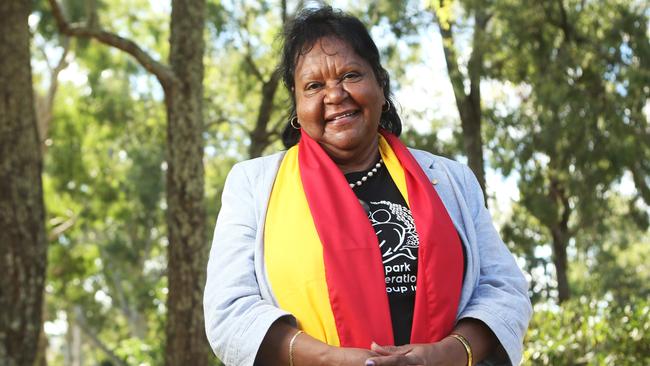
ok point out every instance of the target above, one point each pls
(472, 136)
(560, 244)
(182, 81)
(260, 136)
(468, 104)
(23, 247)
(41, 356)
(560, 234)
(73, 355)
(188, 249)
(470, 116)
(77, 355)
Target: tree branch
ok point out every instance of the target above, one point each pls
(455, 76)
(61, 228)
(253, 67)
(248, 56)
(44, 104)
(41, 50)
(217, 117)
(278, 125)
(475, 63)
(91, 14)
(216, 123)
(221, 119)
(260, 135)
(164, 74)
(564, 22)
(640, 182)
(81, 322)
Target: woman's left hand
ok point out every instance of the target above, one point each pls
(435, 354)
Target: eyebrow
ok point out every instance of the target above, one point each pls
(308, 74)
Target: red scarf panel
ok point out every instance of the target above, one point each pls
(353, 266)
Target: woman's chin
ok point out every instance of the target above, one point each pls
(348, 141)
(349, 148)
(346, 132)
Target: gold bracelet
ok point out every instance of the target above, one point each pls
(465, 343)
(291, 342)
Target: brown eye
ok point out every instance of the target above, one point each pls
(312, 86)
(351, 76)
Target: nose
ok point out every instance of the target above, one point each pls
(335, 94)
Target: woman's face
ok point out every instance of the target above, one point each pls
(338, 100)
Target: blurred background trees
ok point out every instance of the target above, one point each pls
(547, 101)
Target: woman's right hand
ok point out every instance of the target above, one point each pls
(341, 356)
(307, 351)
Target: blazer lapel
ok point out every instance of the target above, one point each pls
(445, 187)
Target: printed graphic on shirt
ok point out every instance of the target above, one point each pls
(398, 241)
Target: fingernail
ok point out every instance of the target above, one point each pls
(370, 363)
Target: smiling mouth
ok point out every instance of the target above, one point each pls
(345, 115)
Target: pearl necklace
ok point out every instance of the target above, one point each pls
(370, 173)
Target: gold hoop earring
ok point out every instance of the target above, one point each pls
(294, 123)
(387, 105)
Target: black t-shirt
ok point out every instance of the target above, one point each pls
(393, 223)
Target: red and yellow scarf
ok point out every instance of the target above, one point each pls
(323, 259)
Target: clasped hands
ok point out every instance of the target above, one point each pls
(434, 354)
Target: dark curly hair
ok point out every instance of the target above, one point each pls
(301, 34)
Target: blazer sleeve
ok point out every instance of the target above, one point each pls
(236, 316)
(500, 298)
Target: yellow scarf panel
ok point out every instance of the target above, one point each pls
(294, 256)
(293, 252)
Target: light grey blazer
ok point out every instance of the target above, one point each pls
(239, 304)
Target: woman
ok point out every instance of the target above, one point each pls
(349, 248)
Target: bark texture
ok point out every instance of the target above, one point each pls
(23, 245)
(188, 249)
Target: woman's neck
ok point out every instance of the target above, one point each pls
(359, 160)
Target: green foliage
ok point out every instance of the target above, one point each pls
(103, 175)
(590, 331)
(619, 268)
(580, 126)
(241, 55)
(397, 28)
(607, 321)
(429, 142)
(582, 85)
